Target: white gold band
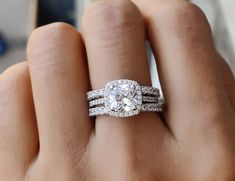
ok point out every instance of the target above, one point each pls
(101, 101)
(146, 90)
(98, 111)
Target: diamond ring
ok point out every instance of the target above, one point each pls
(123, 98)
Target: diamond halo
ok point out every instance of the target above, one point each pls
(122, 98)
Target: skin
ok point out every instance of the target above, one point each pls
(45, 131)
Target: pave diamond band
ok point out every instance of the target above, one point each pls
(123, 98)
(144, 108)
(101, 101)
(147, 90)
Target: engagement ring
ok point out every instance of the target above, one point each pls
(123, 98)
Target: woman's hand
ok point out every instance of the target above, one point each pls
(47, 135)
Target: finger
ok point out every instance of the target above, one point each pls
(60, 82)
(18, 128)
(187, 61)
(114, 36)
(228, 80)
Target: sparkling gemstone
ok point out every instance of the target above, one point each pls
(123, 97)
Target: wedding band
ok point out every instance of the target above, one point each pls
(123, 98)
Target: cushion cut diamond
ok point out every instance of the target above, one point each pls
(123, 97)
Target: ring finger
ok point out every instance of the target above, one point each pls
(115, 41)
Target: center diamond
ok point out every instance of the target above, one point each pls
(123, 98)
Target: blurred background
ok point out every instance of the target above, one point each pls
(19, 18)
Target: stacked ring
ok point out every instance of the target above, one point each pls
(123, 98)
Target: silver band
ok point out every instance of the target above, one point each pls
(123, 98)
(98, 111)
(101, 101)
(146, 90)
(95, 94)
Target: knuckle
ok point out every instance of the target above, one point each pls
(208, 104)
(209, 99)
(14, 82)
(183, 16)
(117, 17)
(49, 43)
(14, 75)
(52, 32)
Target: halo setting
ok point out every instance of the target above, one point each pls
(122, 98)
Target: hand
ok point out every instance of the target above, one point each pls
(45, 131)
